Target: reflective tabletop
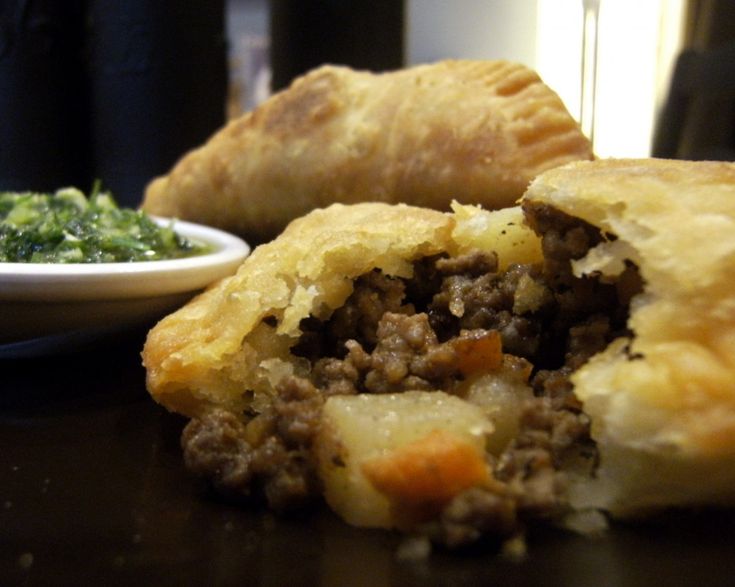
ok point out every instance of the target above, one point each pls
(93, 492)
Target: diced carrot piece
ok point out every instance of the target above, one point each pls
(479, 352)
(432, 469)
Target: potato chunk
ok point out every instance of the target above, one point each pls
(363, 429)
(501, 395)
(503, 232)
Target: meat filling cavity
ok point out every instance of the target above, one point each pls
(436, 331)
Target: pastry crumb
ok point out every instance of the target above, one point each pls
(25, 560)
(414, 548)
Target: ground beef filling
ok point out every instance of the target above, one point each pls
(395, 334)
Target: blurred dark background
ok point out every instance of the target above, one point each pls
(365, 34)
(698, 118)
(106, 89)
(44, 100)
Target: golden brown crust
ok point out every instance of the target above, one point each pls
(210, 351)
(662, 404)
(474, 131)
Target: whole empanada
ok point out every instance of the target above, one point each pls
(473, 131)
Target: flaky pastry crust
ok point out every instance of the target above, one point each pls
(662, 403)
(474, 131)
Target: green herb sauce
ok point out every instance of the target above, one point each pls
(66, 227)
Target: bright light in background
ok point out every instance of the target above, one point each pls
(638, 41)
(559, 49)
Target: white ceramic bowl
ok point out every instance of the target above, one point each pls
(48, 307)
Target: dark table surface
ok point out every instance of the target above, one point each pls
(92, 491)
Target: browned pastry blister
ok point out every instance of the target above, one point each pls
(473, 131)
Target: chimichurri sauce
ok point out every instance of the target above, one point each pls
(67, 227)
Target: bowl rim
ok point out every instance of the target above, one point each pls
(96, 281)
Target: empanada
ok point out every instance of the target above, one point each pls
(473, 131)
(459, 374)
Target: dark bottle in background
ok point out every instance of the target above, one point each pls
(364, 34)
(43, 95)
(158, 72)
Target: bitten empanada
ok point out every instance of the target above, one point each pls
(472, 131)
(454, 375)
